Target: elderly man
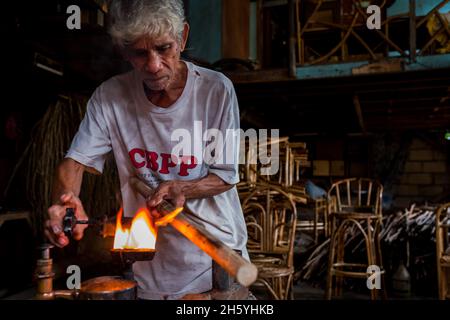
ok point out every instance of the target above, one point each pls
(135, 115)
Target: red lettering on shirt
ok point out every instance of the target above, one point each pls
(187, 162)
(167, 162)
(152, 158)
(164, 162)
(135, 162)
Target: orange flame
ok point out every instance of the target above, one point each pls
(142, 234)
(168, 218)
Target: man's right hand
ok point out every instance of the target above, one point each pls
(54, 225)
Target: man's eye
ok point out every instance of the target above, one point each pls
(164, 48)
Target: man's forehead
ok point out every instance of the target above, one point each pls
(150, 40)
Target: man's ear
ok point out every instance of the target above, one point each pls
(185, 36)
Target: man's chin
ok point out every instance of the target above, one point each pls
(156, 85)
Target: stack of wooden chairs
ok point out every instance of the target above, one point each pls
(270, 208)
(292, 161)
(271, 217)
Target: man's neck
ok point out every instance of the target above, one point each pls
(166, 98)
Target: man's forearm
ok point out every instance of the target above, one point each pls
(208, 186)
(68, 178)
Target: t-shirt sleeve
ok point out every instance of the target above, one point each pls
(225, 162)
(92, 142)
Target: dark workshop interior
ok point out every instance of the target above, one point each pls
(360, 206)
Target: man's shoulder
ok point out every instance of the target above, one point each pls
(114, 87)
(211, 77)
(123, 79)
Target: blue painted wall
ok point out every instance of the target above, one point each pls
(345, 69)
(422, 7)
(205, 19)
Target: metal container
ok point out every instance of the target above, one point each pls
(108, 288)
(116, 288)
(129, 256)
(401, 282)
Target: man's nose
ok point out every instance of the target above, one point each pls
(153, 63)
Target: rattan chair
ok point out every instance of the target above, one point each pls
(354, 206)
(443, 250)
(271, 217)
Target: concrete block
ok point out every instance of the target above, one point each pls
(337, 168)
(421, 155)
(431, 191)
(408, 190)
(441, 179)
(358, 169)
(321, 168)
(420, 178)
(413, 166)
(418, 144)
(404, 179)
(434, 167)
(437, 155)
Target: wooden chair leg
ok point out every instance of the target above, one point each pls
(443, 284)
(372, 252)
(330, 268)
(440, 286)
(379, 262)
(316, 231)
(291, 287)
(270, 286)
(340, 259)
(281, 292)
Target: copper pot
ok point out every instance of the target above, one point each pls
(108, 288)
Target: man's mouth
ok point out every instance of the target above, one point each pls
(156, 79)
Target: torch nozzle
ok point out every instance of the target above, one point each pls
(70, 221)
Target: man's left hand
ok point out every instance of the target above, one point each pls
(170, 191)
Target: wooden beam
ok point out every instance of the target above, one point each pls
(412, 30)
(236, 29)
(10, 216)
(359, 114)
(292, 39)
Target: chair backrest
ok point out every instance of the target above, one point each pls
(271, 218)
(298, 160)
(282, 145)
(356, 195)
(255, 219)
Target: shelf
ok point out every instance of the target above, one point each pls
(10, 216)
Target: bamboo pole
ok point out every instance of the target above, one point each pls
(243, 271)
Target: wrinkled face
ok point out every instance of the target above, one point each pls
(157, 59)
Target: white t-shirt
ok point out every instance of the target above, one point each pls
(120, 118)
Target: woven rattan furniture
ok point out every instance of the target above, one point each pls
(443, 250)
(271, 217)
(354, 206)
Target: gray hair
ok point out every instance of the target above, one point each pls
(132, 19)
